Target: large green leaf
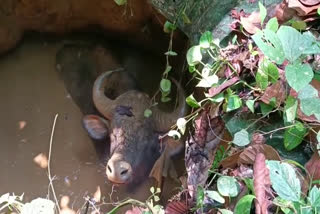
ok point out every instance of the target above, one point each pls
(308, 92)
(228, 186)
(273, 24)
(263, 12)
(298, 75)
(270, 45)
(191, 101)
(293, 136)
(292, 42)
(284, 180)
(206, 39)
(244, 205)
(309, 100)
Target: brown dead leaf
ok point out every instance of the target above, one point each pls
(313, 166)
(249, 154)
(136, 210)
(42, 160)
(277, 91)
(252, 23)
(64, 201)
(261, 181)
(97, 195)
(231, 161)
(176, 207)
(258, 138)
(283, 13)
(302, 8)
(216, 90)
(201, 128)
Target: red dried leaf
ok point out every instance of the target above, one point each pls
(258, 138)
(251, 23)
(176, 207)
(249, 154)
(216, 90)
(310, 2)
(135, 210)
(303, 9)
(231, 161)
(277, 91)
(201, 129)
(313, 166)
(261, 182)
(283, 13)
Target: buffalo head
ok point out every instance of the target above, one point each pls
(134, 138)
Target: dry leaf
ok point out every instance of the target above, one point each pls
(261, 181)
(313, 166)
(277, 91)
(176, 207)
(64, 201)
(22, 124)
(97, 195)
(216, 90)
(135, 210)
(303, 9)
(42, 160)
(251, 23)
(249, 154)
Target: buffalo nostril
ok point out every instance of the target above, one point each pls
(109, 168)
(124, 172)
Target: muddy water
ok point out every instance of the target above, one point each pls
(31, 94)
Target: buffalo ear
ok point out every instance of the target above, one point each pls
(96, 126)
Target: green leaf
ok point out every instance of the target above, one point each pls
(263, 12)
(298, 75)
(147, 113)
(250, 105)
(165, 99)
(265, 108)
(170, 53)
(225, 211)
(185, 18)
(191, 101)
(310, 106)
(249, 184)
(194, 55)
(192, 69)
(217, 99)
(200, 196)
(284, 180)
(318, 11)
(206, 39)
(299, 25)
(314, 197)
(290, 109)
(308, 92)
(241, 138)
(293, 136)
(181, 124)
(120, 2)
(156, 198)
(174, 134)
(262, 78)
(228, 186)
(292, 42)
(168, 27)
(165, 85)
(168, 69)
(311, 45)
(207, 82)
(152, 190)
(214, 195)
(234, 102)
(269, 43)
(273, 24)
(244, 205)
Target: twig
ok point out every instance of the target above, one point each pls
(49, 158)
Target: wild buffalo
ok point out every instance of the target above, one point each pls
(134, 137)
